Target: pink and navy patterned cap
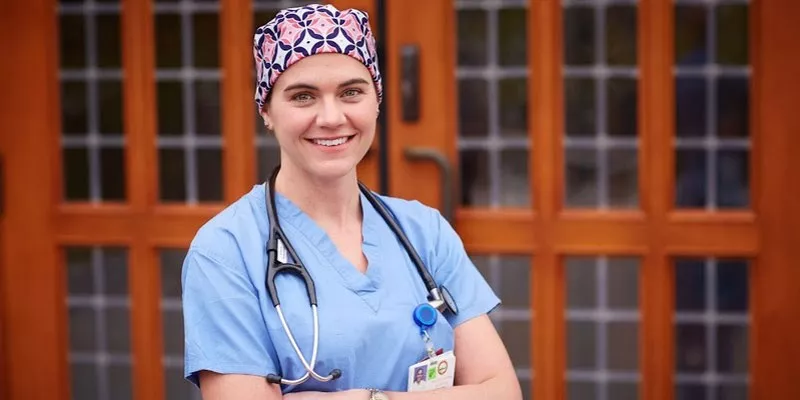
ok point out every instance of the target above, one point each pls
(299, 32)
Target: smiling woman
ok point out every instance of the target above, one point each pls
(367, 267)
(323, 111)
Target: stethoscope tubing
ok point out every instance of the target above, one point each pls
(438, 297)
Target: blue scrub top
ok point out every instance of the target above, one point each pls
(366, 327)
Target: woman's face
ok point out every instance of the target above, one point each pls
(323, 110)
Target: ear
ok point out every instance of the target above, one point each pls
(266, 118)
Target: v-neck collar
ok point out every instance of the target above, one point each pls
(365, 285)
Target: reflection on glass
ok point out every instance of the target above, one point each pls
(581, 114)
(205, 38)
(733, 187)
(172, 178)
(622, 107)
(621, 35)
(623, 349)
(623, 184)
(733, 104)
(209, 174)
(207, 108)
(110, 107)
(76, 173)
(513, 107)
(581, 282)
(514, 185)
(472, 38)
(72, 44)
(579, 31)
(512, 36)
(712, 106)
(711, 327)
(170, 108)
(690, 107)
(690, 35)
(268, 158)
(112, 174)
(581, 178)
(473, 108)
(690, 178)
(109, 46)
(732, 34)
(474, 178)
(73, 108)
(169, 40)
(581, 345)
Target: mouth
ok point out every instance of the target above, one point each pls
(332, 142)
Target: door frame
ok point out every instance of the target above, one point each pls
(657, 231)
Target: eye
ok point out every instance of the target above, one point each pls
(352, 92)
(301, 97)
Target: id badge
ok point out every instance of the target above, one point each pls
(433, 373)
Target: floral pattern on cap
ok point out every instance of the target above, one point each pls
(298, 32)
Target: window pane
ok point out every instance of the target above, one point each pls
(602, 323)
(98, 307)
(510, 278)
(712, 106)
(91, 102)
(711, 328)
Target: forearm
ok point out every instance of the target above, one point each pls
(498, 387)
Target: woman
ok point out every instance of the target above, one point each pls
(319, 88)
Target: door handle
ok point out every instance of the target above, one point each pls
(446, 171)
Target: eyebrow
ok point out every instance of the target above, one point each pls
(354, 81)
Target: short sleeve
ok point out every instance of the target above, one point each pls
(223, 324)
(454, 269)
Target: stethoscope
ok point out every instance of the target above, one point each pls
(424, 315)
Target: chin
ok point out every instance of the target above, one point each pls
(332, 169)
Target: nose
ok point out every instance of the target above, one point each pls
(331, 114)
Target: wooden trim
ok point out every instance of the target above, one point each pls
(238, 120)
(33, 303)
(656, 121)
(546, 127)
(775, 303)
(138, 41)
(140, 105)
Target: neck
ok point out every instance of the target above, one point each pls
(332, 203)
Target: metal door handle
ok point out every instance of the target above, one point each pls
(431, 154)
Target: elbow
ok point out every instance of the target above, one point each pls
(505, 386)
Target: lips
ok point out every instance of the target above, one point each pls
(331, 142)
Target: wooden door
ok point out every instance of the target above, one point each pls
(126, 125)
(620, 172)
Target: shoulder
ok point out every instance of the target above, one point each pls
(225, 234)
(428, 231)
(414, 216)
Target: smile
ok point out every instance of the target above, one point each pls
(332, 142)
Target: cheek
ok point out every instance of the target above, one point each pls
(364, 120)
(293, 124)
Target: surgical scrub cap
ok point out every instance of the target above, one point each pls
(299, 32)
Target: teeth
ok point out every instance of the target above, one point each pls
(331, 142)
